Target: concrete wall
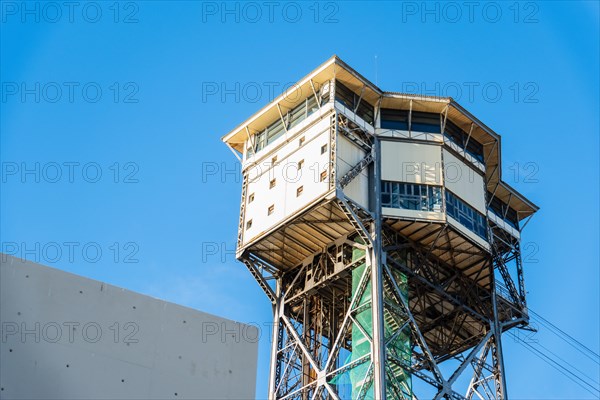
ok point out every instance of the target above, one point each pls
(67, 337)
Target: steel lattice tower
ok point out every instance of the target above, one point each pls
(380, 229)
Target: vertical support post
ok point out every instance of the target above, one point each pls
(240, 237)
(521, 277)
(497, 358)
(378, 350)
(306, 336)
(332, 90)
(277, 310)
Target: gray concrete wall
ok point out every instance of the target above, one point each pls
(67, 337)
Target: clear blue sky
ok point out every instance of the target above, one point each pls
(156, 121)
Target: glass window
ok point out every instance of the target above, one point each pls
(311, 105)
(323, 176)
(290, 119)
(411, 196)
(259, 141)
(466, 215)
(274, 131)
(385, 187)
(324, 93)
(386, 200)
(297, 114)
(460, 137)
(394, 119)
(503, 211)
(353, 101)
(425, 122)
(344, 95)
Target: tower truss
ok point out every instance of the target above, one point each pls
(368, 304)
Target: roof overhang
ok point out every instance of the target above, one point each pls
(513, 199)
(335, 68)
(307, 86)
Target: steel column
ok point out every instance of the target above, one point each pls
(378, 347)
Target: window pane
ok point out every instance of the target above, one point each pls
(394, 119)
(425, 122)
(385, 200)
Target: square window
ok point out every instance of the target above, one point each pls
(301, 141)
(271, 209)
(323, 176)
(385, 187)
(413, 204)
(299, 191)
(385, 200)
(249, 224)
(323, 149)
(251, 198)
(450, 209)
(272, 183)
(399, 202)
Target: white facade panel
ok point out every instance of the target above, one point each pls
(298, 165)
(68, 337)
(463, 181)
(411, 162)
(358, 190)
(348, 155)
(414, 214)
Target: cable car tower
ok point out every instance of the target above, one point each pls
(379, 227)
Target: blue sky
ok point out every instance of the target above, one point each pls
(107, 108)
